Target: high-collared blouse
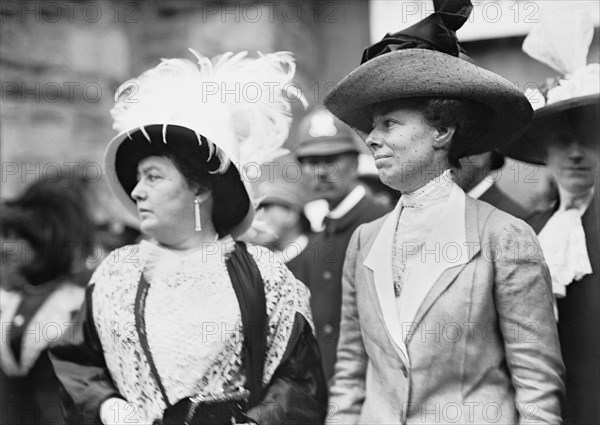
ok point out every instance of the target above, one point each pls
(419, 212)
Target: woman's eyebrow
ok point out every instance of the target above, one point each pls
(147, 168)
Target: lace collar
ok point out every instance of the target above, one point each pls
(432, 193)
(161, 260)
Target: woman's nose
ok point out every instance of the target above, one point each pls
(373, 140)
(138, 192)
(576, 152)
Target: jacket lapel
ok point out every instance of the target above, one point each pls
(462, 242)
(379, 261)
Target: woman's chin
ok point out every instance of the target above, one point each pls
(148, 228)
(388, 179)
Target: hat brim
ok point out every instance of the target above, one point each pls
(324, 148)
(411, 73)
(120, 185)
(532, 146)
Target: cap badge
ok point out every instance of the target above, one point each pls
(322, 125)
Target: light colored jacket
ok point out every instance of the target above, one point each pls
(478, 346)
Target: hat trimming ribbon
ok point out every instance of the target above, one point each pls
(435, 32)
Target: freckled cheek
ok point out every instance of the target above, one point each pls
(407, 150)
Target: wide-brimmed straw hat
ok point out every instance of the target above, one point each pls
(561, 40)
(197, 111)
(426, 60)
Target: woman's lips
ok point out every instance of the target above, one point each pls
(380, 159)
(577, 168)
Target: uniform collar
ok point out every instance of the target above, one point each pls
(349, 202)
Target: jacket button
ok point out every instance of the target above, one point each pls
(327, 275)
(328, 329)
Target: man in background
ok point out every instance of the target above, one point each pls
(327, 151)
(477, 177)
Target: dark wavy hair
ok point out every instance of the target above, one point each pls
(52, 216)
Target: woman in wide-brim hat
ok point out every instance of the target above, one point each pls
(565, 136)
(447, 309)
(191, 326)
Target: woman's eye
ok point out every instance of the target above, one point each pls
(153, 177)
(387, 123)
(383, 123)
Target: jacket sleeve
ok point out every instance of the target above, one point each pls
(297, 392)
(524, 301)
(347, 393)
(80, 367)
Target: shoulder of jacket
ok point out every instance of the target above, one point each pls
(366, 232)
(506, 228)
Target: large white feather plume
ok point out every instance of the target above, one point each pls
(240, 104)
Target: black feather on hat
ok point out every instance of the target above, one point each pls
(436, 32)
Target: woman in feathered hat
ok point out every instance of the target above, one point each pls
(191, 326)
(565, 135)
(447, 308)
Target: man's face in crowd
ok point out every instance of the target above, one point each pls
(572, 162)
(332, 177)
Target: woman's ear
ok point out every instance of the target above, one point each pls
(202, 192)
(442, 137)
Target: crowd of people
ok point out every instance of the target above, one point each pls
(428, 295)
